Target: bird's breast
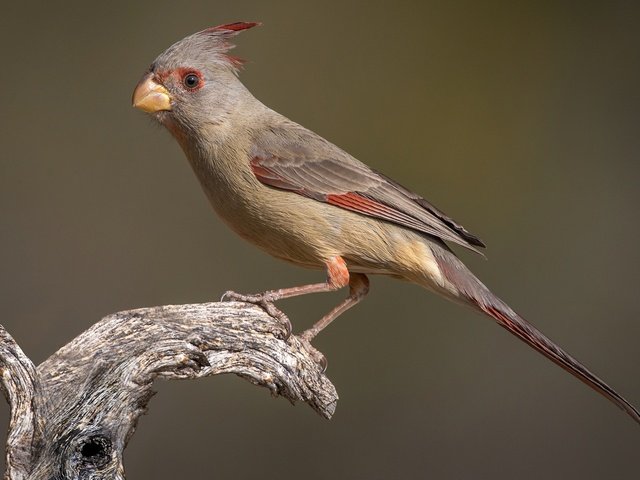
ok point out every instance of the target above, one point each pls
(281, 223)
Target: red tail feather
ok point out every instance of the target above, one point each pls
(529, 334)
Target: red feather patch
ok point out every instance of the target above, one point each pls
(353, 201)
(233, 27)
(358, 203)
(237, 62)
(268, 177)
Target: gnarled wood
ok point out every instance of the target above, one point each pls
(73, 416)
(21, 388)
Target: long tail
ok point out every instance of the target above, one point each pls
(526, 332)
(478, 295)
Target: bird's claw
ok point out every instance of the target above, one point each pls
(278, 314)
(316, 354)
(265, 301)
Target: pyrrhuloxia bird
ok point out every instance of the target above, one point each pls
(302, 199)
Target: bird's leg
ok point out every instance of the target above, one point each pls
(358, 288)
(337, 277)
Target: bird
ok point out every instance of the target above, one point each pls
(302, 199)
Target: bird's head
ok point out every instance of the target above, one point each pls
(194, 82)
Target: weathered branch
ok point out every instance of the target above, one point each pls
(21, 388)
(73, 416)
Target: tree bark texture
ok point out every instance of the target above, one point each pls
(72, 416)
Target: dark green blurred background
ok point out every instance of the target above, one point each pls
(521, 120)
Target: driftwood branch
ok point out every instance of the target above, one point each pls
(72, 416)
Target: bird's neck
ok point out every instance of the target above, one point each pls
(218, 151)
(203, 137)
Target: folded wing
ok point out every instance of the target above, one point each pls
(310, 166)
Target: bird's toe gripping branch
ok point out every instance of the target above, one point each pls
(265, 301)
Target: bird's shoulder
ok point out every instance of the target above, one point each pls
(284, 139)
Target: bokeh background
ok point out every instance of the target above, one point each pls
(519, 119)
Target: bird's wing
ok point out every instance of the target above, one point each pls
(310, 166)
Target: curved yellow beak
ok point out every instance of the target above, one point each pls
(150, 96)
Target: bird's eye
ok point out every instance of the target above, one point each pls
(191, 80)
